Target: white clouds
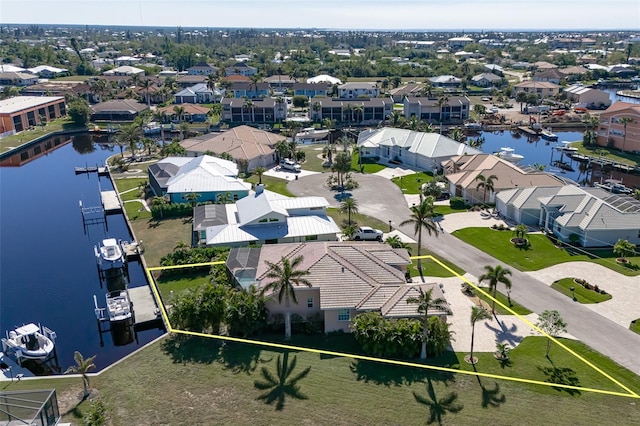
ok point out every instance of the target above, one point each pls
(346, 14)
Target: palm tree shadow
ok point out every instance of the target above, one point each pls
(184, 349)
(240, 358)
(281, 386)
(504, 334)
(491, 397)
(561, 375)
(438, 407)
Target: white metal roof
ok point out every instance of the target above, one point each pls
(18, 103)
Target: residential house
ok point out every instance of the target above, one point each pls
(612, 130)
(455, 110)
(574, 73)
(541, 88)
(202, 69)
(23, 112)
(324, 78)
(17, 79)
(207, 177)
(346, 279)
(186, 80)
(445, 81)
(412, 89)
(280, 82)
(50, 89)
(494, 69)
(249, 90)
(311, 90)
(127, 60)
(542, 65)
(595, 217)
(262, 110)
(198, 94)
(117, 110)
(358, 90)
(462, 174)
(486, 80)
(243, 143)
(124, 70)
(192, 113)
(241, 68)
(587, 97)
(458, 43)
(353, 110)
(425, 151)
(552, 75)
(11, 68)
(45, 71)
(265, 217)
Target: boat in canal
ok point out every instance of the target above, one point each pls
(473, 127)
(110, 254)
(508, 154)
(548, 134)
(30, 341)
(119, 306)
(566, 147)
(563, 165)
(614, 186)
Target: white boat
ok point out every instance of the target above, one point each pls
(118, 306)
(473, 126)
(30, 341)
(110, 254)
(566, 147)
(152, 128)
(311, 135)
(509, 155)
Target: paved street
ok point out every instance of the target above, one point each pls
(380, 198)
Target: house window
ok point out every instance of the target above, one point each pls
(310, 302)
(235, 197)
(344, 315)
(311, 238)
(273, 219)
(273, 241)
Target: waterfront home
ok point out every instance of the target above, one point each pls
(590, 216)
(424, 151)
(543, 89)
(455, 110)
(587, 97)
(264, 217)
(612, 130)
(207, 177)
(192, 113)
(198, 94)
(346, 279)
(117, 110)
(23, 112)
(462, 174)
(246, 144)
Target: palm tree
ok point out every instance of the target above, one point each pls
(422, 218)
(146, 84)
(395, 118)
(477, 314)
(285, 277)
(282, 149)
(248, 104)
(494, 276)
(438, 407)
(624, 121)
(224, 198)
(425, 305)
(281, 385)
(129, 136)
(396, 242)
(160, 201)
(521, 97)
(349, 205)
(443, 100)
(486, 183)
(457, 134)
(358, 109)
(623, 248)
(179, 111)
(82, 367)
(259, 171)
(211, 81)
(192, 198)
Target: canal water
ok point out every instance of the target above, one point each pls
(48, 269)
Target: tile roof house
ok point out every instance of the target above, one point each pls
(242, 89)
(117, 110)
(241, 68)
(552, 75)
(462, 172)
(425, 151)
(187, 80)
(264, 217)
(209, 177)
(311, 90)
(485, 79)
(192, 113)
(241, 142)
(202, 69)
(613, 131)
(597, 217)
(346, 279)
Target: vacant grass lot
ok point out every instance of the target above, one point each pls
(160, 236)
(541, 252)
(193, 380)
(582, 295)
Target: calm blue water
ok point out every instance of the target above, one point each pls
(47, 266)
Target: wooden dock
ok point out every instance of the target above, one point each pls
(110, 202)
(528, 130)
(102, 171)
(144, 305)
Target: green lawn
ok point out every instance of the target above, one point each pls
(272, 184)
(582, 295)
(180, 282)
(515, 306)
(541, 252)
(411, 184)
(124, 187)
(312, 162)
(442, 210)
(368, 165)
(609, 153)
(191, 380)
(25, 136)
(635, 326)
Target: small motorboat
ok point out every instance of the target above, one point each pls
(110, 254)
(30, 341)
(473, 127)
(508, 154)
(566, 147)
(119, 306)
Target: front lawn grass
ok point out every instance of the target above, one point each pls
(515, 306)
(179, 282)
(125, 186)
(635, 326)
(159, 384)
(313, 158)
(582, 295)
(443, 209)
(160, 236)
(272, 184)
(136, 211)
(367, 165)
(541, 252)
(412, 184)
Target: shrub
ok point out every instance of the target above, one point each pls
(387, 338)
(457, 203)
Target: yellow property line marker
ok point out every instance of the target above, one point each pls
(165, 316)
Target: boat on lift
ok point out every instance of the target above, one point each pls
(30, 341)
(119, 306)
(508, 154)
(110, 254)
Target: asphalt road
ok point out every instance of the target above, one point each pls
(382, 199)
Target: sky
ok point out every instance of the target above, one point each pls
(458, 15)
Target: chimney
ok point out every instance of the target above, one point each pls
(259, 188)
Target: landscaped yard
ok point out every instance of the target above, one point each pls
(160, 236)
(444, 209)
(541, 252)
(635, 326)
(190, 380)
(515, 306)
(368, 165)
(582, 295)
(609, 154)
(272, 184)
(176, 283)
(412, 184)
(23, 137)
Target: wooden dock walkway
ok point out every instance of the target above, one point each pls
(102, 171)
(144, 305)
(110, 202)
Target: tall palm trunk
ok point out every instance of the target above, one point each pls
(425, 336)
(287, 320)
(473, 335)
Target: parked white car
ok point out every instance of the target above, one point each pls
(290, 165)
(367, 233)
